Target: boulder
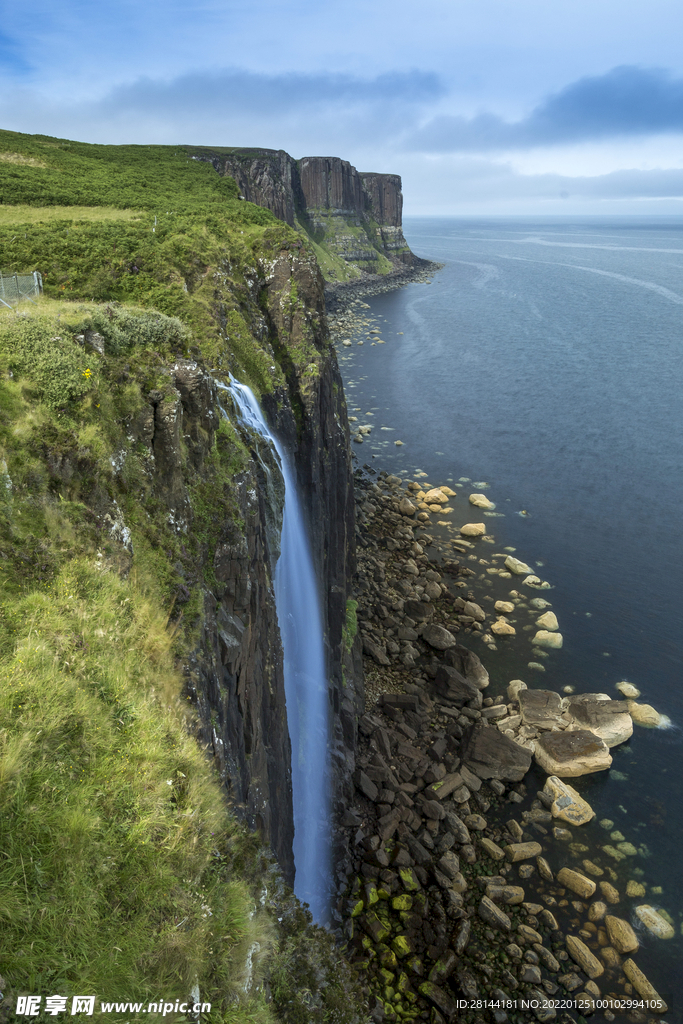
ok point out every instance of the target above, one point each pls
(514, 688)
(420, 611)
(438, 637)
(481, 501)
(541, 709)
(628, 690)
(572, 753)
(475, 610)
(506, 607)
(493, 915)
(621, 935)
(473, 530)
(503, 628)
(406, 507)
(375, 651)
(643, 987)
(581, 955)
(518, 568)
(548, 621)
(654, 922)
(522, 851)
(577, 882)
(452, 686)
(468, 665)
(436, 497)
(491, 754)
(644, 714)
(544, 638)
(567, 805)
(608, 719)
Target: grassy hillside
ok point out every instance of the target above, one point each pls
(123, 874)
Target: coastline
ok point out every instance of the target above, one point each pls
(340, 294)
(412, 705)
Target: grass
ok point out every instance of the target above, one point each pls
(23, 214)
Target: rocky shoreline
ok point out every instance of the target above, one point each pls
(339, 296)
(465, 893)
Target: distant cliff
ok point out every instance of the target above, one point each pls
(354, 219)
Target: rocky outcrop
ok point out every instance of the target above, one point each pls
(356, 216)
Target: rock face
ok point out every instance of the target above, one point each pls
(235, 674)
(323, 195)
(572, 753)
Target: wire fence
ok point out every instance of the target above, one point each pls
(16, 288)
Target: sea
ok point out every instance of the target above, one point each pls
(543, 366)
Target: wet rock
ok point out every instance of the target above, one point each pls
(643, 987)
(508, 894)
(491, 754)
(443, 1001)
(515, 566)
(548, 621)
(644, 714)
(572, 753)
(628, 690)
(544, 869)
(608, 719)
(481, 501)
(577, 882)
(541, 709)
(438, 637)
(582, 956)
(503, 628)
(528, 935)
(609, 892)
(597, 911)
(567, 804)
(654, 922)
(522, 851)
(506, 607)
(493, 915)
(473, 530)
(544, 638)
(621, 935)
(406, 507)
(461, 936)
(491, 849)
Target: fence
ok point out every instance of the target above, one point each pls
(15, 288)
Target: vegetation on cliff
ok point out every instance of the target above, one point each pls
(124, 873)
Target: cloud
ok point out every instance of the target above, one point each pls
(625, 101)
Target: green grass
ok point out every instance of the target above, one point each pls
(24, 215)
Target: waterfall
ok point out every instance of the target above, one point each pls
(306, 688)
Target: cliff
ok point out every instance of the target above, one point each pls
(353, 219)
(138, 540)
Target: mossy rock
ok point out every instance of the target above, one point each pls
(401, 946)
(404, 902)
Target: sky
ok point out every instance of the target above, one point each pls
(482, 106)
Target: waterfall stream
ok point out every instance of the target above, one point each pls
(300, 621)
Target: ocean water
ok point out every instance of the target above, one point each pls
(546, 360)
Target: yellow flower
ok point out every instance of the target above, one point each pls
(87, 373)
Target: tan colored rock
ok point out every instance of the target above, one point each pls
(522, 851)
(628, 690)
(475, 610)
(448, 492)
(621, 935)
(597, 911)
(514, 687)
(541, 709)
(502, 628)
(654, 922)
(481, 501)
(609, 892)
(406, 507)
(644, 714)
(436, 496)
(548, 621)
(571, 753)
(610, 957)
(510, 894)
(643, 987)
(544, 869)
(473, 530)
(506, 607)
(544, 638)
(577, 882)
(518, 568)
(581, 955)
(567, 805)
(492, 849)
(634, 888)
(608, 719)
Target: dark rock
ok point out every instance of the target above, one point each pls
(443, 1001)
(457, 827)
(365, 785)
(405, 701)
(468, 665)
(491, 755)
(450, 685)
(540, 709)
(375, 651)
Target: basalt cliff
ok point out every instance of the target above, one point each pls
(353, 218)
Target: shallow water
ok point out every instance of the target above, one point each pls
(546, 360)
